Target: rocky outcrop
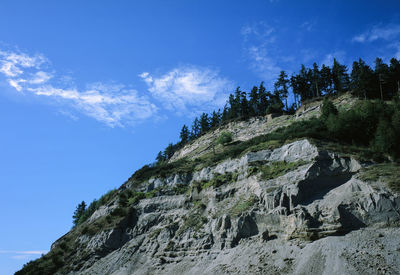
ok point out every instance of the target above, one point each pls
(317, 217)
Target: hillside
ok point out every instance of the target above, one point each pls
(254, 206)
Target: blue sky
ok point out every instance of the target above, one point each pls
(90, 91)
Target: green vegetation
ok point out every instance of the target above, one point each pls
(382, 83)
(194, 219)
(386, 172)
(82, 213)
(274, 169)
(224, 138)
(217, 181)
(242, 206)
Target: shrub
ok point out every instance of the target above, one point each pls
(327, 109)
(224, 138)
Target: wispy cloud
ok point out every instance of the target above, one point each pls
(378, 32)
(189, 89)
(114, 105)
(308, 25)
(259, 45)
(22, 255)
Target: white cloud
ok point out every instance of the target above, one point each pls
(189, 87)
(27, 252)
(114, 105)
(261, 50)
(378, 32)
(105, 103)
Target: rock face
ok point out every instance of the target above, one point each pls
(315, 217)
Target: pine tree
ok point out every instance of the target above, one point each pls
(326, 79)
(362, 80)
(295, 89)
(225, 114)
(160, 157)
(244, 106)
(254, 102)
(382, 76)
(184, 135)
(340, 78)
(204, 123)
(316, 80)
(215, 119)
(394, 77)
(169, 151)
(282, 87)
(79, 212)
(195, 133)
(263, 100)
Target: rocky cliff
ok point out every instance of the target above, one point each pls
(296, 208)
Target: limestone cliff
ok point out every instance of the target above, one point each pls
(296, 208)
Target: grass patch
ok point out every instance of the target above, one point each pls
(386, 172)
(274, 169)
(217, 181)
(194, 219)
(242, 206)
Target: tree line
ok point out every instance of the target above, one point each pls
(381, 82)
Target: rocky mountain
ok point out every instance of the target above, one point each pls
(294, 207)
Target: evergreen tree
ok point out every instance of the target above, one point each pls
(326, 79)
(340, 78)
(382, 75)
(295, 88)
(254, 102)
(79, 212)
(195, 133)
(394, 77)
(225, 114)
(160, 157)
(303, 83)
(204, 123)
(169, 151)
(184, 135)
(282, 87)
(215, 119)
(244, 106)
(234, 107)
(362, 80)
(316, 81)
(263, 100)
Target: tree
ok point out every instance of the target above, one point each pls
(204, 123)
(326, 79)
(195, 133)
(340, 78)
(382, 76)
(394, 77)
(316, 80)
(225, 114)
(282, 87)
(184, 135)
(244, 106)
(169, 151)
(295, 89)
(362, 80)
(254, 102)
(263, 100)
(160, 157)
(328, 108)
(215, 119)
(79, 212)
